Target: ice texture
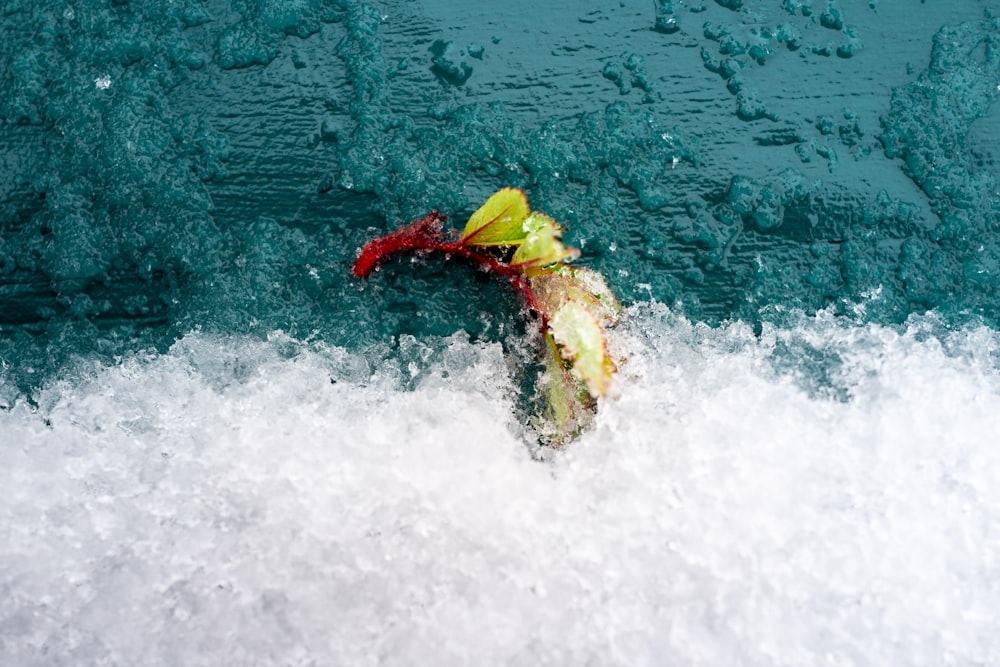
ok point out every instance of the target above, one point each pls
(821, 494)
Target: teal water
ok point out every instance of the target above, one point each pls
(201, 165)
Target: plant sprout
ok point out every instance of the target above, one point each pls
(574, 304)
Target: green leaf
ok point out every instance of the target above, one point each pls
(498, 222)
(577, 305)
(541, 246)
(581, 341)
(565, 412)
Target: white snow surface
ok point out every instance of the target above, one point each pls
(825, 494)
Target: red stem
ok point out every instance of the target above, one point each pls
(425, 234)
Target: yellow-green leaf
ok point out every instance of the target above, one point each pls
(541, 246)
(581, 340)
(500, 221)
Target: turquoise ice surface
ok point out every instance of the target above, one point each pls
(167, 167)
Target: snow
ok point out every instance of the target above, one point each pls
(823, 494)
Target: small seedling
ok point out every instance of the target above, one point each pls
(574, 304)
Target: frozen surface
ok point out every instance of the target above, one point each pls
(825, 494)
